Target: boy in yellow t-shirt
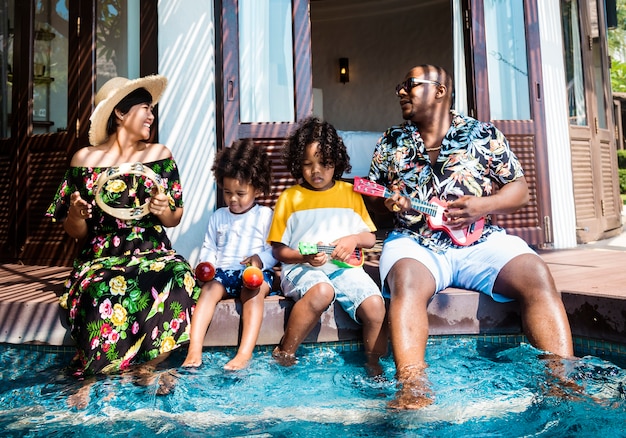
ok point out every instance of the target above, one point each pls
(323, 210)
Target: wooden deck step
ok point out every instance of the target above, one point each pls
(590, 279)
(30, 313)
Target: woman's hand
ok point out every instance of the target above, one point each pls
(79, 208)
(159, 203)
(159, 206)
(75, 223)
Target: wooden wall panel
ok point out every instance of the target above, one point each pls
(5, 210)
(583, 179)
(526, 222)
(281, 177)
(47, 242)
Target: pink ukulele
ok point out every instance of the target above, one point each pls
(435, 210)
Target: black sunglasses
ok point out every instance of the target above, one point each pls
(410, 83)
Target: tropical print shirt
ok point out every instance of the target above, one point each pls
(474, 159)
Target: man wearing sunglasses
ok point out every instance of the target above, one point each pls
(455, 163)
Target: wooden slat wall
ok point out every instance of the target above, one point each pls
(610, 209)
(281, 178)
(583, 180)
(5, 210)
(47, 242)
(527, 220)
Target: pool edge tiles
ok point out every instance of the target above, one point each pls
(610, 351)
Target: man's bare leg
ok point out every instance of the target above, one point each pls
(411, 286)
(528, 280)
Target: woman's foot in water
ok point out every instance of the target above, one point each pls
(80, 399)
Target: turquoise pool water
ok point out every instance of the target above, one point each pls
(482, 389)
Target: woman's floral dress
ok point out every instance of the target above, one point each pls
(130, 295)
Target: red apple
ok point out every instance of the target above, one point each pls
(252, 277)
(205, 271)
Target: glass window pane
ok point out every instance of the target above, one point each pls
(6, 70)
(597, 58)
(117, 40)
(266, 85)
(50, 63)
(573, 63)
(507, 63)
(460, 80)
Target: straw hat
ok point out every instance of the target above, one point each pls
(111, 93)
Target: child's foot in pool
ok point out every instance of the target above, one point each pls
(193, 360)
(374, 369)
(283, 358)
(239, 362)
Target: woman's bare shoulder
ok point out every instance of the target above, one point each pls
(88, 156)
(100, 156)
(156, 152)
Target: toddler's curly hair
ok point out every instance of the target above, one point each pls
(331, 148)
(245, 162)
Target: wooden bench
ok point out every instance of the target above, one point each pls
(29, 307)
(30, 313)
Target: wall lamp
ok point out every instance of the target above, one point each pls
(344, 70)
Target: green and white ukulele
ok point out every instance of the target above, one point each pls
(356, 259)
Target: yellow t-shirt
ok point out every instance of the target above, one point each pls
(303, 215)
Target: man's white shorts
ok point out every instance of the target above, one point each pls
(473, 267)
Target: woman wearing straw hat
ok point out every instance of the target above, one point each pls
(130, 296)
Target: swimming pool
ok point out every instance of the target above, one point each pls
(482, 388)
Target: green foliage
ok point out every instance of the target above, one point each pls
(621, 159)
(618, 76)
(621, 164)
(617, 49)
(622, 180)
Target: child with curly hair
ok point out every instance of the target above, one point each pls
(323, 209)
(235, 238)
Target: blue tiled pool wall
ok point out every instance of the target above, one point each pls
(609, 351)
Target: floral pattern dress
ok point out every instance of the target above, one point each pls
(130, 296)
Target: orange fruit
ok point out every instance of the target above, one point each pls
(252, 277)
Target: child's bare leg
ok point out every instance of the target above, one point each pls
(212, 293)
(371, 313)
(253, 305)
(305, 314)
